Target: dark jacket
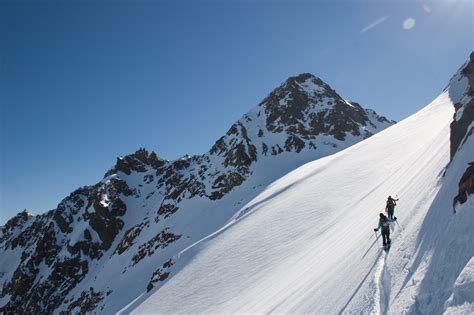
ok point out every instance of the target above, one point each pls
(384, 224)
(391, 203)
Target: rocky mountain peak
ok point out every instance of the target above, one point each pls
(137, 161)
(307, 106)
(14, 223)
(299, 90)
(306, 83)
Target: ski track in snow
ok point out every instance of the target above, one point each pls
(382, 280)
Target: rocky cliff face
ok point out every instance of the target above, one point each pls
(461, 91)
(106, 244)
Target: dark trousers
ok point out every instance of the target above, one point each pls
(386, 237)
(390, 214)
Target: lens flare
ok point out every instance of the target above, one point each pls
(409, 23)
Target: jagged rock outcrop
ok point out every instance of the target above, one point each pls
(306, 107)
(466, 186)
(461, 91)
(146, 210)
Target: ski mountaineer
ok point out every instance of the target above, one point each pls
(384, 224)
(390, 207)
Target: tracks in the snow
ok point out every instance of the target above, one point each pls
(383, 286)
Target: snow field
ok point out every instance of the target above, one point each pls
(307, 243)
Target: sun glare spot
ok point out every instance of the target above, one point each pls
(409, 23)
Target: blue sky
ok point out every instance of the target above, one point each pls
(82, 82)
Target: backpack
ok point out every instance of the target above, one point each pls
(385, 224)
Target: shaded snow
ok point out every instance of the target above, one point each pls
(462, 299)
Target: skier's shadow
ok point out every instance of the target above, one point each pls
(370, 247)
(362, 282)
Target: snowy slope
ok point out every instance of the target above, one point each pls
(106, 244)
(306, 243)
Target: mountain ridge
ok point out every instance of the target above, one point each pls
(146, 209)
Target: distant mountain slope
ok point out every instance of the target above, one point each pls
(106, 244)
(306, 243)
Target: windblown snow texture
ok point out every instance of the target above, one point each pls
(107, 244)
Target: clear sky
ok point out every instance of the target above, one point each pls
(82, 82)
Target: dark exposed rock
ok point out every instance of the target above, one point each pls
(460, 131)
(181, 164)
(460, 125)
(160, 274)
(148, 179)
(62, 223)
(86, 302)
(155, 161)
(294, 143)
(118, 186)
(264, 148)
(240, 157)
(276, 150)
(106, 226)
(87, 247)
(46, 246)
(118, 208)
(40, 230)
(137, 162)
(290, 113)
(242, 154)
(161, 240)
(102, 211)
(291, 103)
(466, 186)
(28, 297)
(167, 209)
(129, 237)
(225, 183)
(218, 147)
(14, 223)
(87, 235)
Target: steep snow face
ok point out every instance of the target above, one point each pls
(130, 227)
(306, 243)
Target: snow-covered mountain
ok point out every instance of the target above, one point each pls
(306, 243)
(107, 244)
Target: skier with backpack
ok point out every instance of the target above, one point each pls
(390, 207)
(384, 224)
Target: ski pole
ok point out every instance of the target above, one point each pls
(400, 225)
